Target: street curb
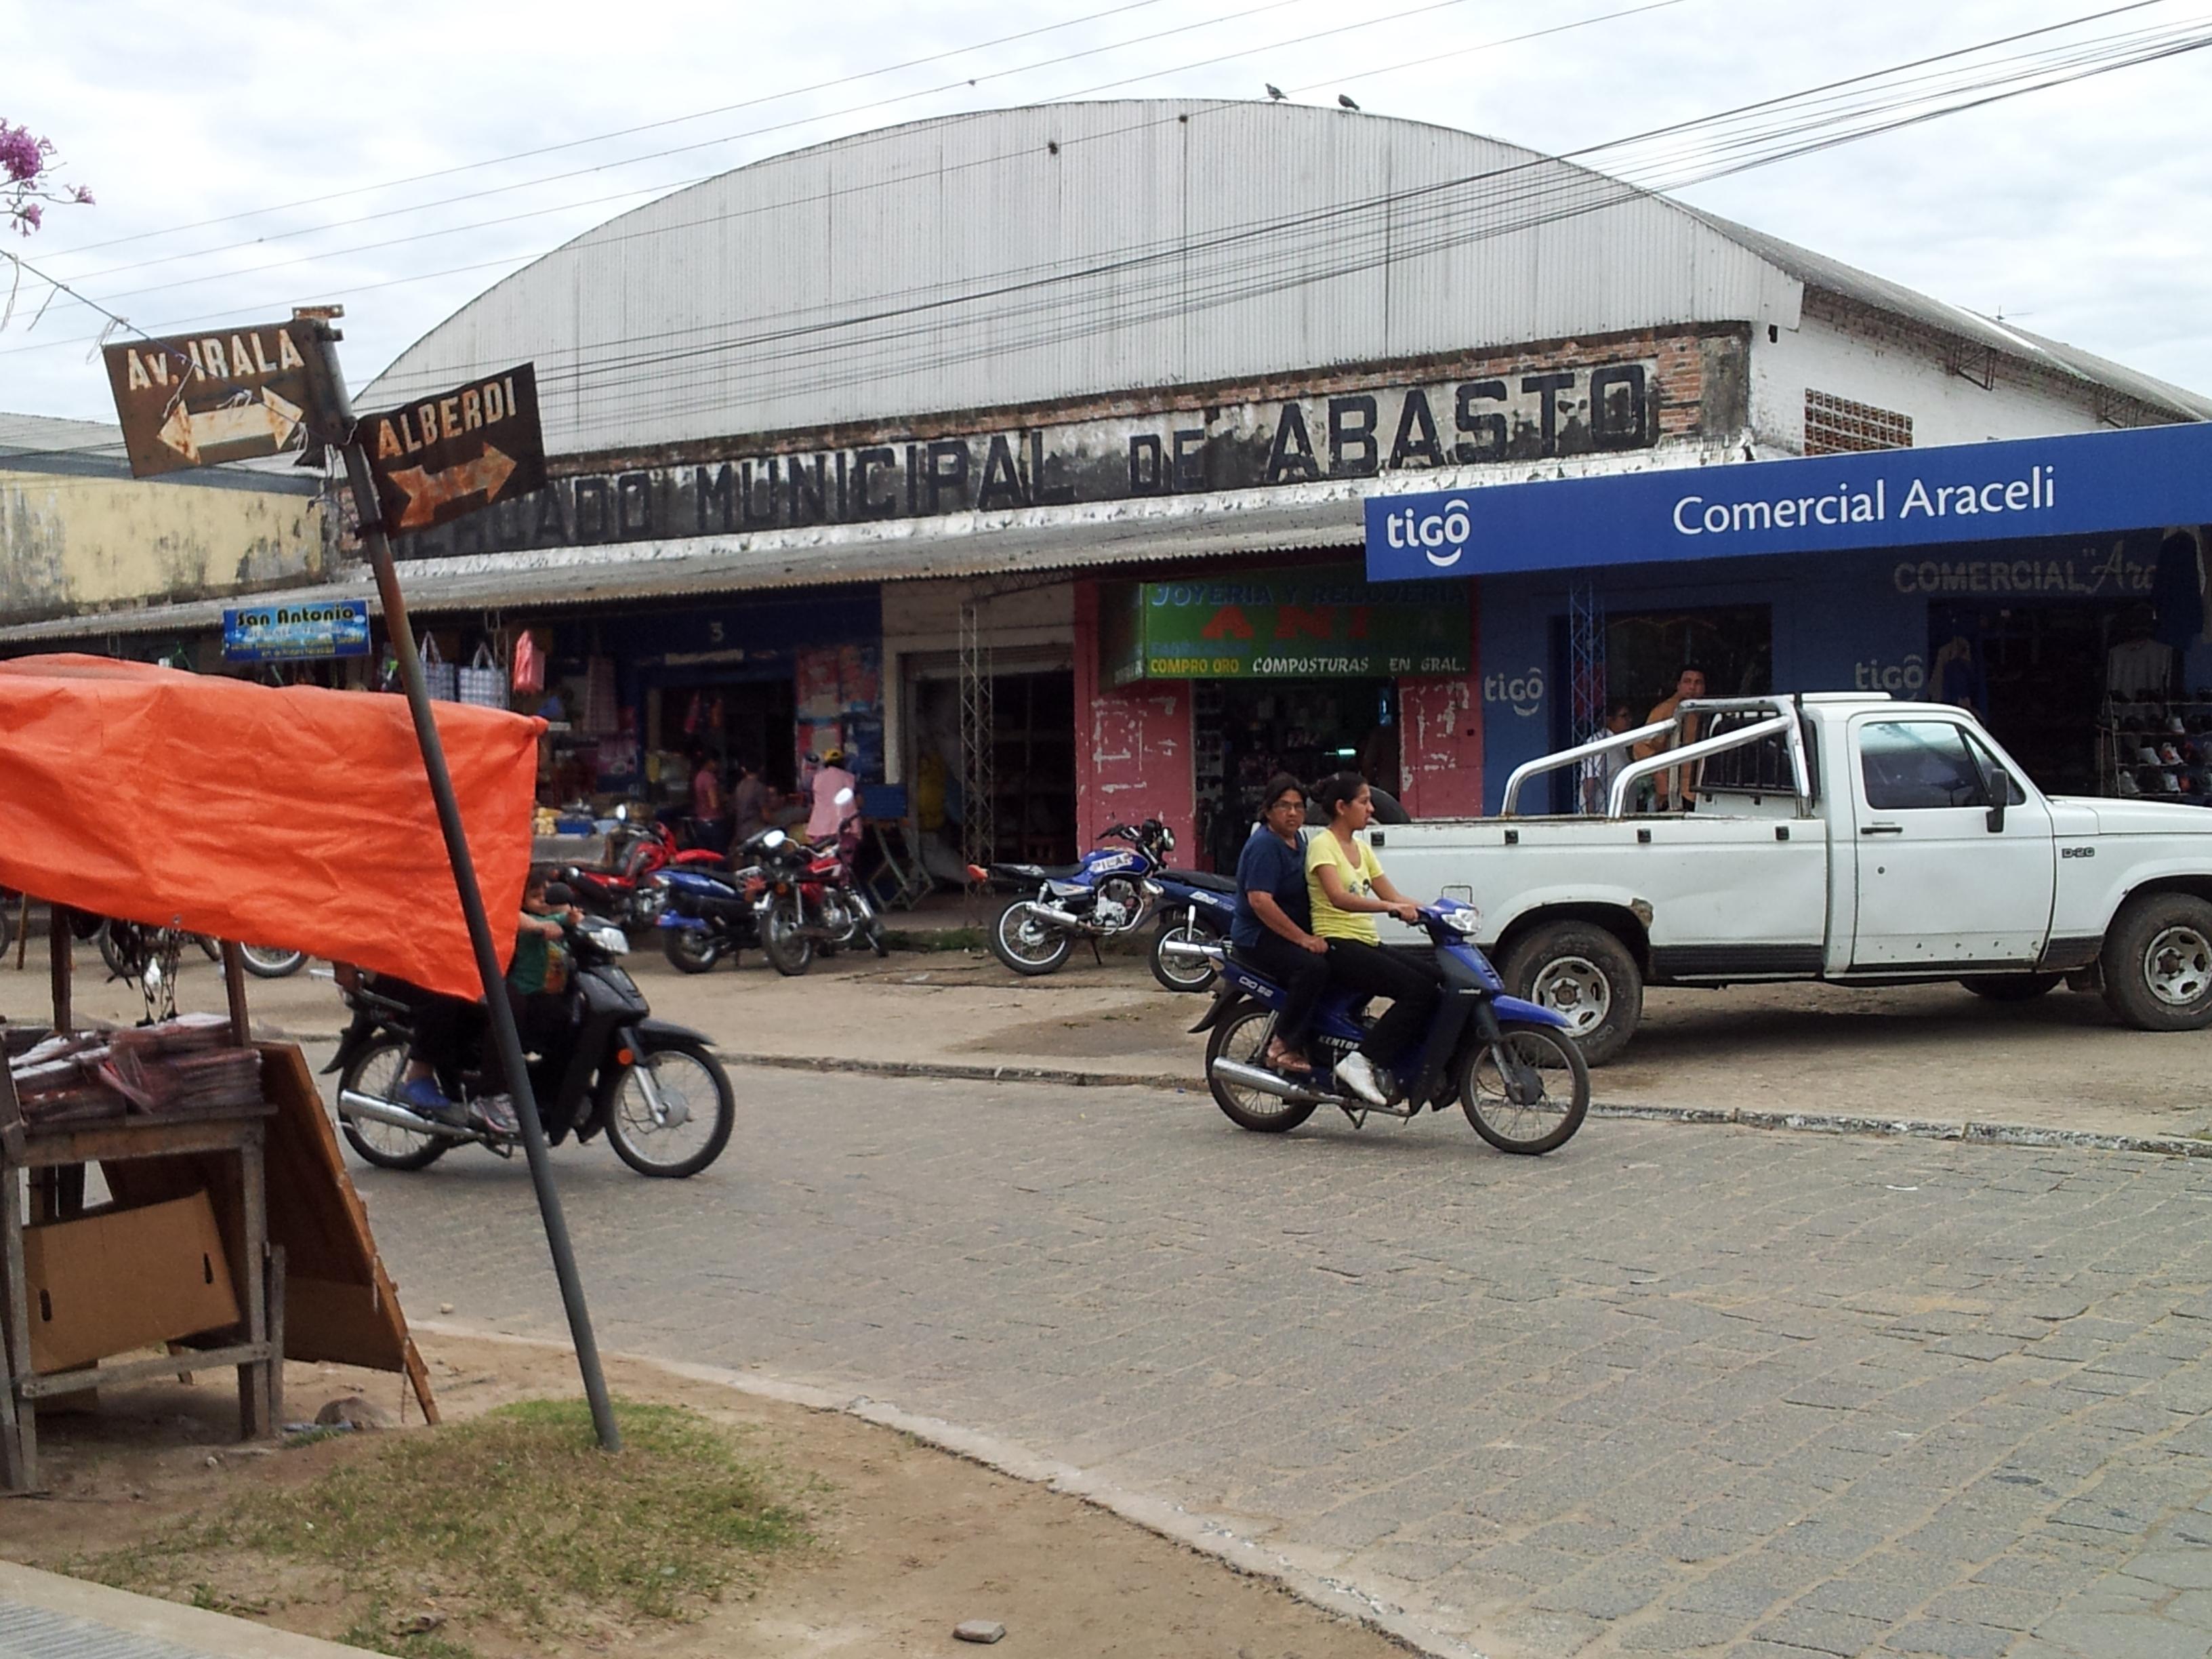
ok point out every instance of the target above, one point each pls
(124, 1612)
(1209, 1535)
(1832, 1124)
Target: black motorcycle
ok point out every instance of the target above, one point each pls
(656, 1089)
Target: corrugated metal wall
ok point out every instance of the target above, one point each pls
(1066, 250)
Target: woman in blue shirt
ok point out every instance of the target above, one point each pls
(1273, 928)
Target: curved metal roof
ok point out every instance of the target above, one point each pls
(1069, 251)
(1072, 250)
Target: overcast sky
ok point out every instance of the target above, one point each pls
(2080, 212)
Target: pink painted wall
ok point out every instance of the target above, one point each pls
(1132, 748)
(1440, 736)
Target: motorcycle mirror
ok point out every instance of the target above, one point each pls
(775, 838)
(844, 798)
(623, 812)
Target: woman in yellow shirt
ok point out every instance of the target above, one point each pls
(1347, 890)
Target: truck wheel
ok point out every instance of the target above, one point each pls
(2012, 988)
(1580, 969)
(2158, 963)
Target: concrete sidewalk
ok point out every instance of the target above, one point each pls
(1800, 1055)
(46, 1616)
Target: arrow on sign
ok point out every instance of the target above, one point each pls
(259, 418)
(428, 491)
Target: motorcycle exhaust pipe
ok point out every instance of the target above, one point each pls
(1267, 1082)
(1074, 923)
(1185, 950)
(353, 1103)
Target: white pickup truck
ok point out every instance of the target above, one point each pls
(1839, 838)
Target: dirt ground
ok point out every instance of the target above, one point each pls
(911, 1540)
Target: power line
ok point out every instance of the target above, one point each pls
(761, 346)
(681, 149)
(882, 135)
(619, 132)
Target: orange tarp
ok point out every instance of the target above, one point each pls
(297, 817)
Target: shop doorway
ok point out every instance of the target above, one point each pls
(1033, 764)
(1247, 731)
(750, 720)
(2035, 674)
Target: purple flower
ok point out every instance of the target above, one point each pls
(22, 157)
(31, 214)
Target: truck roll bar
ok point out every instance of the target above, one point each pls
(1781, 720)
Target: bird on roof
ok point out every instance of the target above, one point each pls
(1274, 92)
(1346, 101)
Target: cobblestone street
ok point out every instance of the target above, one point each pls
(1674, 1390)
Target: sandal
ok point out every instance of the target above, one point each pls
(1287, 1062)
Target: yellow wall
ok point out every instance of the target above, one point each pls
(74, 543)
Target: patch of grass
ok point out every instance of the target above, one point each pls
(516, 1517)
(377, 1630)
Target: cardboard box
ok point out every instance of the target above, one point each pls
(120, 1281)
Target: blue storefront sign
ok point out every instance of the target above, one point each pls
(293, 632)
(2029, 488)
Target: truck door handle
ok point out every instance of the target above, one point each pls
(1881, 829)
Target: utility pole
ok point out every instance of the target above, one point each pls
(505, 1036)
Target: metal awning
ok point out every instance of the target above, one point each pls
(1322, 516)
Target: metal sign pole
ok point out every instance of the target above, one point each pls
(504, 1034)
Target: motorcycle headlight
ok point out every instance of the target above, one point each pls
(608, 936)
(1463, 920)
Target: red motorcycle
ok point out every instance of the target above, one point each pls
(631, 895)
(808, 898)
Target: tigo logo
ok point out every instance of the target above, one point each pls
(1441, 535)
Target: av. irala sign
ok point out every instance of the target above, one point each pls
(2084, 483)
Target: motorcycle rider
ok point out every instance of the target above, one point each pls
(1347, 890)
(443, 1025)
(1273, 925)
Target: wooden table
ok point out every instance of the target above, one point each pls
(143, 1161)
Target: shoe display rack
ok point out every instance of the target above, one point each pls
(2157, 749)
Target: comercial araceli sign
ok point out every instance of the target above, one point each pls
(442, 457)
(1286, 624)
(2020, 490)
(203, 399)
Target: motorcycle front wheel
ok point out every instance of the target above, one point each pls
(379, 1071)
(785, 942)
(271, 962)
(691, 950)
(1243, 1037)
(1535, 1104)
(1026, 944)
(1178, 974)
(697, 1108)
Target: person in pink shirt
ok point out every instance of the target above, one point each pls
(828, 820)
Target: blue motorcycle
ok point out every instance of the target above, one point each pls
(1510, 1064)
(1105, 895)
(1195, 909)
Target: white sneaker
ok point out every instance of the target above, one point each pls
(1356, 1073)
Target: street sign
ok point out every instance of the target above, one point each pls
(448, 456)
(200, 400)
(293, 632)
